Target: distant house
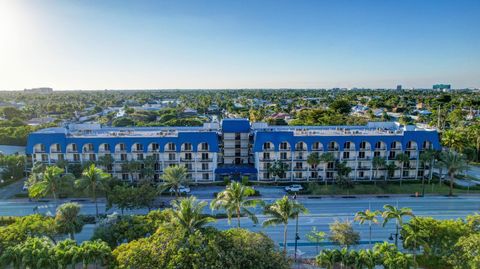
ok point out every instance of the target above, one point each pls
(359, 109)
(40, 121)
(281, 116)
(420, 106)
(378, 112)
(39, 90)
(190, 112)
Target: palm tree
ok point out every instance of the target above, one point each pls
(149, 168)
(131, 167)
(378, 163)
(188, 213)
(390, 167)
(453, 140)
(67, 219)
(174, 177)
(326, 158)
(92, 179)
(278, 169)
(427, 156)
(370, 217)
(280, 212)
(315, 236)
(234, 200)
(397, 214)
(414, 237)
(402, 158)
(454, 163)
(65, 253)
(105, 161)
(369, 258)
(313, 160)
(328, 258)
(51, 181)
(92, 252)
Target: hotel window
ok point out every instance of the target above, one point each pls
(123, 157)
(124, 176)
(140, 156)
(204, 166)
(363, 145)
(91, 157)
(361, 174)
(361, 155)
(376, 154)
(329, 174)
(379, 145)
(346, 145)
(394, 145)
(266, 155)
(188, 166)
(205, 176)
(283, 155)
(76, 157)
(420, 173)
(74, 147)
(316, 146)
(106, 147)
(187, 147)
(330, 165)
(314, 174)
(266, 145)
(284, 145)
(188, 156)
(299, 175)
(406, 164)
(204, 146)
(332, 146)
(61, 157)
(156, 167)
(44, 158)
(346, 155)
(204, 156)
(171, 157)
(300, 156)
(138, 147)
(299, 165)
(156, 156)
(171, 146)
(266, 175)
(155, 147)
(392, 155)
(122, 147)
(408, 153)
(405, 173)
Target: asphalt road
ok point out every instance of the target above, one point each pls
(322, 212)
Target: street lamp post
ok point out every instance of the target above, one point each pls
(296, 231)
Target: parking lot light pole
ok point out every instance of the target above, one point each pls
(296, 231)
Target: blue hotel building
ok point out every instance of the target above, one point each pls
(236, 147)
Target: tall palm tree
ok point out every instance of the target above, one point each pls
(325, 159)
(427, 157)
(51, 181)
(369, 258)
(280, 212)
(92, 180)
(149, 168)
(67, 219)
(370, 217)
(65, 253)
(378, 163)
(174, 177)
(105, 161)
(454, 163)
(414, 237)
(402, 158)
(188, 213)
(453, 140)
(234, 200)
(131, 167)
(313, 160)
(392, 212)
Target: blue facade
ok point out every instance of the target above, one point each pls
(235, 126)
(278, 137)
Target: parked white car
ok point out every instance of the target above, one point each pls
(181, 189)
(294, 188)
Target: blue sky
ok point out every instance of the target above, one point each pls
(238, 44)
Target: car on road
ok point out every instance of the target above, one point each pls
(181, 190)
(294, 188)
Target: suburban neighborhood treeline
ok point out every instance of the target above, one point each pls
(456, 115)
